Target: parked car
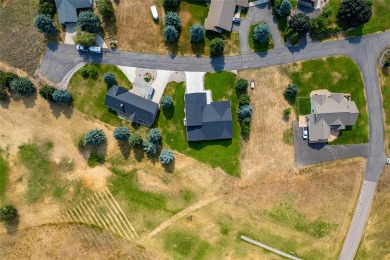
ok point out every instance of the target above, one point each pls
(252, 84)
(153, 9)
(236, 20)
(150, 94)
(95, 49)
(304, 133)
(81, 48)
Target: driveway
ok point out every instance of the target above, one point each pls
(307, 154)
(70, 32)
(194, 82)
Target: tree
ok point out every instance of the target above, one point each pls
(293, 37)
(170, 33)
(244, 99)
(22, 85)
(171, 3)
(6, 78)
(46, 92)
(94, 137)
(62, 96)
(291, 90)
(106, 9)
(166, 102)
(47, 8)
(135, 140)
(284, 8)
(89, 22)
(172, 19)
(241, 85)
(8, 213)
(84, 72)
(166, 157)
(287, 112)
(246, 126)
(121, 133)
(197, 33)
(244, 111)
(300, 23)
(154, 136)
(85, 39)
(354, 12)
(262, 32)
(45, 24)
(217, 46)
(3, 93)
(109, 78)
(149, 148)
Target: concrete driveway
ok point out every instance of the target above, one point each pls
(194, 82)
(70, 32)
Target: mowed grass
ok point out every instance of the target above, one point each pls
(184, 245)
(3, 175)
(219, 153)
(257, 46)
(21, 44)
(384, 76)
(338, 75)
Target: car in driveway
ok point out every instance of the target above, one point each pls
(304, 133)
(236, 20)
(95, 49)
(82, 48)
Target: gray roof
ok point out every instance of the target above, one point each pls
(67, 9)
(139, 110)
(207, 121)
(221, 14)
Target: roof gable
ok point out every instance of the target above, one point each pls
(67, 9)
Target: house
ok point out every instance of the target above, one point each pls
(207, 121)
(68, 9)
(329, 112)
(221, 13)
(134, 108)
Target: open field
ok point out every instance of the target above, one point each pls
(257, 46)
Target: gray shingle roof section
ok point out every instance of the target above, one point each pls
(67, 9)
(139, 110)
(207, 121)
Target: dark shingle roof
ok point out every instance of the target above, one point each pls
(67, 9)
(207, 121)
(139, 110)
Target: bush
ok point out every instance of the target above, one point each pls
(47, 8)
(293, 37)
(154, 136)
(284, 8)
(84, 72)
(62, 96)
(299, 23)
(93, 72)
(45, 24)
(291, 90)
(319, 26)
(262, 32)
(197, 33)
(241, 85)
(47, 92)
(22, 85)
(354, 12)
(287, 112)
(166, 157)
(85, 39)
(135, 140)
(8, 213)
(170, 33)
(172, 19)
(109, 78)
(94, 137)
(171, 3)
(166, 102)
(121, 133)
(89, 22)
(6, 78)
(244, 100)
(3, 93)
(217, 46)
(149, 148)
(95, 159)
(247, 121)
(105, 9)
(245, 130)
(244, 111)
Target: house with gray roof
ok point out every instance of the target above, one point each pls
(207, 121)
(68, 9)
(221, 13)
(134, 108)
(329, 112)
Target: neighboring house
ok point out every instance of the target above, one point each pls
(329, 112)
(135, 108)
(221, 13)
(68, 9)
(205, 121)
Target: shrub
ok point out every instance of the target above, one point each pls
(287, 112)
(293, 37)
(166, 102)
(6, 78)
(93, 72)
(319, 26)
(84, 72)
(386, 63)
(354, 12)
(3, 93)
(284, 8)
(135, 140)
(217, 46)
(106, 9)
(244, 99)
(171, 3)
(45, 24)
(95, 159)
(47, 92)
(262, 32)
(47, 8)
(121, 133)
(291, 90)
(300, 23)
(94, 137)
(166, 157)
(241, 85)
(8, 213)
(89, 22)
(197, 33)
(154, 136)
(109, 78)
(172, 19)
(245, 130)
(246, 121)
(149, 148)
(85, 39)
(62, 96)
(22, 85)
(244, 111)
(170, 33)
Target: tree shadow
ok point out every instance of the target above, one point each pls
(198, 48)
(217, 62)
(168, 113)
(290, 99)
(172, 47)
(4, 103)
(61, 109)
(169, 168)
(124, 148)
(28, 100)
(12, 225)
(138, 153)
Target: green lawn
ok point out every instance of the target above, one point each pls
(384, 75)
(184, 245)
(337, 74)
(257, 46)
(3, 175)
(227, 152)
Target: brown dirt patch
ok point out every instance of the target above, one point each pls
(336, 76)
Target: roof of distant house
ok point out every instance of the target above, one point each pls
(139, 110)
(67, 9)
(207, 121)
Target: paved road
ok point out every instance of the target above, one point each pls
(365, 50)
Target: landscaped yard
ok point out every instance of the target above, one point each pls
(257, 46)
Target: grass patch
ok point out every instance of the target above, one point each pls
(337, 74)
(3, 175)
(384, 76)
(95, 159)
(257, 46)
(185, 245)
(288, 136)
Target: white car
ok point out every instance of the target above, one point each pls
(153, 9)
(81, 48)
(95, 49)
(304, 133)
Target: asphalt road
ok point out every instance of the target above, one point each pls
(365, 50)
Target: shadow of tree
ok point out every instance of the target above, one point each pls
(169, 168)
(138, 153)
(12, 225)
(61, 109)
(125, 149)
